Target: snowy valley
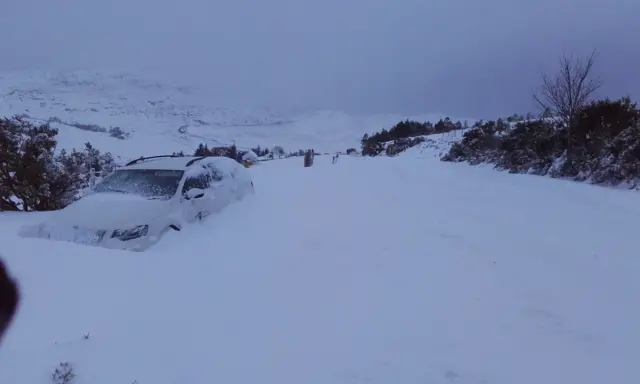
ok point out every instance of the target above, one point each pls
(402, 269)
(153, 118)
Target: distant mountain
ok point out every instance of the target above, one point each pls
(86, 95)
(131, 116)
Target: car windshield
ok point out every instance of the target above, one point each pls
(149, 183)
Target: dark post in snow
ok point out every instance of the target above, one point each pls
(308, 159)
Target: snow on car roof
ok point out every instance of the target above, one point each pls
(222, 163)
(180, 163)
(176, 163)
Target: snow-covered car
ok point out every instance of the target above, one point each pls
(135, 205)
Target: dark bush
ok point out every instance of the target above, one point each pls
(479, 144)
(529, 147)
(33, 177)
(605, 144)
(118, 133)
(597, 125)
(401, 145)
(378, 142)
(260, 152)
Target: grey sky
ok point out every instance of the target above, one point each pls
(465, 58)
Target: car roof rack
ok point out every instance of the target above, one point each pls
(142, 158)
(194, 160)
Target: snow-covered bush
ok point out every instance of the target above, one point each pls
(605, 145)
(118, 133)
(401, 136)
(400, 145)
(91, 166)
(63, 374)
(33, 177)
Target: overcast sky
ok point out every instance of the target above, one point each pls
(475, 58)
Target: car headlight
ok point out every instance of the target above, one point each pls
(130, 234)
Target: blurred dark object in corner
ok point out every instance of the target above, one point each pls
(9, 297)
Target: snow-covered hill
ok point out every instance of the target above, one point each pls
(161, 118)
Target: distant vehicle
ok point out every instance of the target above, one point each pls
(249, 159)
(138, 203)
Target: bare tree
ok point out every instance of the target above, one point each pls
(568, 91)
(278, 150)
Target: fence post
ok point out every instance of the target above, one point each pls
(308, 159)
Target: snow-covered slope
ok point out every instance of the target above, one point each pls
(372, 270)
(84, 105)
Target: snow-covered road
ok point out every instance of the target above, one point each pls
(403, 270)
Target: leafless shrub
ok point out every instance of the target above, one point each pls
(569, 90)
(63, 374)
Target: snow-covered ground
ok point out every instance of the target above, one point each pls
(372, 270)
(151, 114)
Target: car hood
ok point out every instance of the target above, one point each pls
(107, 210)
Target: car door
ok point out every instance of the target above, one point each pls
(196, 206)
(220, 188)
(242, 184)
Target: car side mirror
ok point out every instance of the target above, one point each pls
(194, 193)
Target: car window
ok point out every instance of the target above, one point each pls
(234, 170)
(230, 168)
(149, 183)
(202, 181)
(216, 174)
